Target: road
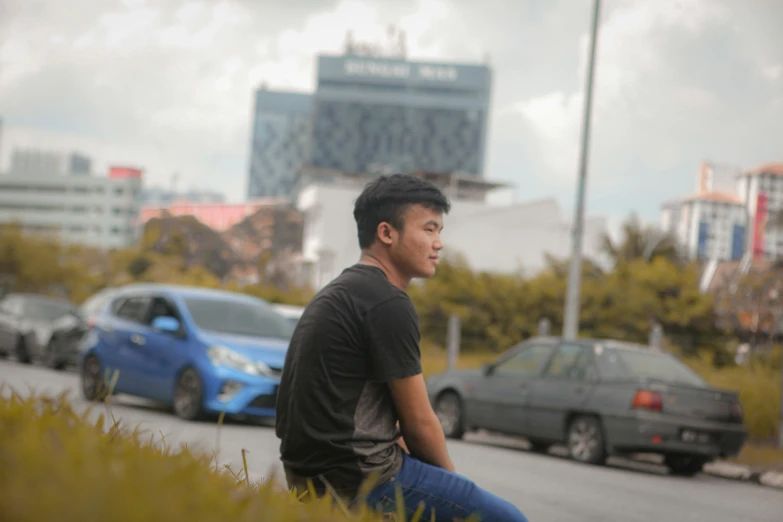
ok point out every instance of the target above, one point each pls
(546, 487)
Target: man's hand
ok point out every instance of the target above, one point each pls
(421, 430)
(401, 442)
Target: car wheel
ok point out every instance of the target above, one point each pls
(93, 384)
(53, 352)
(188, 395)
(586, 440)
(684, 465)
(448, 408)
(21, 351)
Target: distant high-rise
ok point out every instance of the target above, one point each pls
(79, 165)
(32, 162)
(383, 114)
(280, 145)
(373, 112)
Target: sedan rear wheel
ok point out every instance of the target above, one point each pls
(586, 440)
(188, 395)
(448, 408)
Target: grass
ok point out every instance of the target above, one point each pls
(57, 464)
(433, 360)
(756, 456)
(758, 387)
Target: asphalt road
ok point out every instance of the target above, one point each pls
(546, 487)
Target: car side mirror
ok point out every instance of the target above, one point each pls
(487, 369)
(166, 324)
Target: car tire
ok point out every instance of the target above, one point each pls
(684, 465)
(448, 408)
(189, 395)
(52, 352)
(586, 440)
(22, 354)
(94, 387)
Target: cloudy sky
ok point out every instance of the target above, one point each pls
(167, 85)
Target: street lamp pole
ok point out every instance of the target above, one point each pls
(571, 316)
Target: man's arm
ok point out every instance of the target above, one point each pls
(420, 427)
(393, 337)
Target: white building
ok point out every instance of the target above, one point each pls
(508, 238)
(728, 216)
(708, 225)
(761, 191)
(95, 211)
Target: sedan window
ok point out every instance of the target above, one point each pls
(618, 362)
(525, 363)
(571, 361)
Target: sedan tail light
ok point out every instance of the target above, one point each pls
(648, 400)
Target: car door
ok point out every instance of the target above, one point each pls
(500, 397)
(125, 339)
(161, 354)
(564, 386)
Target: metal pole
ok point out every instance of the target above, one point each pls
(453, 341)
(571, 316)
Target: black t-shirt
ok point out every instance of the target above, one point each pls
(335, 415)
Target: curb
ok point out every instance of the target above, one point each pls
(773, 479)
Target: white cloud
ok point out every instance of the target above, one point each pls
(179, 82)
(169, 85)
(629, 59)
(772, 72)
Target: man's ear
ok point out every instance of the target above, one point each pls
(386, 233)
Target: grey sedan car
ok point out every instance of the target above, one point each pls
(599, 398)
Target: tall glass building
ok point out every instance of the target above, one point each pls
(372, 115)
(280, 146)
(386, 114)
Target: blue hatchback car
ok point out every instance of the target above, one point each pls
(201, 351)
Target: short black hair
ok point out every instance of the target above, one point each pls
(386, 198)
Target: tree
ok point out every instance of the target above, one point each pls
(639, 242)
(752, 304)
(497, 311)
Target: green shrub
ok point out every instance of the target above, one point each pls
(57, 465)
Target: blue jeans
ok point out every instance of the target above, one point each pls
(449, 494)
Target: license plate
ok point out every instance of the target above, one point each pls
(696, 437)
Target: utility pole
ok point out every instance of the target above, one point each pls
(571, 316)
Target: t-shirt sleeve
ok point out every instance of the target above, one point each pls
(392, 332)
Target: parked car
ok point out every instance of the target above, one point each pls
(38, 328)
(201, 351)
(69, 330)
(290, 312)
(599, 397)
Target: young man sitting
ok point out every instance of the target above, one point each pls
(352, 381)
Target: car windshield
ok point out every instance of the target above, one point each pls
(238, 317)
(618, 362)
(46, 310)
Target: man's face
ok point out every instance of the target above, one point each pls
(415, 249)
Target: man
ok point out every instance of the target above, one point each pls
(352, 381)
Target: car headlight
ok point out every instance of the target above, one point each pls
(222, 356)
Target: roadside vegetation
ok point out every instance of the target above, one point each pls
(647, 283)
(57, 464)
